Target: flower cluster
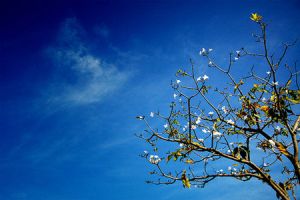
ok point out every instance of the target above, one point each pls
(202, 78)
(224, 109)
(154, 159)
(151, 114)
(193, 127)
(217, 134)
(201, 140)
(205, 131)
(211, 64)
(232, 169)
(230, 121)
(198, 120)
(204, 52)
(272, 143)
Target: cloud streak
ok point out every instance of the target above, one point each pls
(82, 77)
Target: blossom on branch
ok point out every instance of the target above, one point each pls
(210, 113)
(151, 114)
(205, 77)
(154, 159)
(203, 52)
(249, 127)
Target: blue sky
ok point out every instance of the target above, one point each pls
(74, 74)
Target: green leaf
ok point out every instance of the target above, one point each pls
(176, 122)
(169, 157)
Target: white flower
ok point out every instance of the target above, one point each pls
(275, 83)
(193, 127)
(210, 63)
(210, 50)
(217, 134)
(236, 58)
(201, 140)
(203, 52)
(224, 110)
(181, 145)
(278, 128)
(154, 159)
(174, 95)
(211, 113)
(238, 52)
(231, 143)
(178, 81)
(145, 152)
(268, 72)
(265, 164)
(151, 114)
(199, 79)
(234, 169)
(272, 143)
(198, 120)
(184, 129)
(205, 131)
(263, 99)
(221, 170)
(245, 117)
(229, 168)
(228, 151)
(230, 121)
(140, 117)
(205, 77)
(166, 125)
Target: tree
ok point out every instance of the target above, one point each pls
(251, 127)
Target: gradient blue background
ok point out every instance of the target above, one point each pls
(67, 129)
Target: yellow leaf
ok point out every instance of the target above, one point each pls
(178, 154)
(282, 149)
(215, 125)
(185, 181)
(256, 17)
(288, 83)
(189, 161)
(235, 165)
(273, 98)
(288, 186)
(264, 108)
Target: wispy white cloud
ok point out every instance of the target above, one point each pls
(83, 77)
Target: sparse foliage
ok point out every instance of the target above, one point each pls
(247, 130)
